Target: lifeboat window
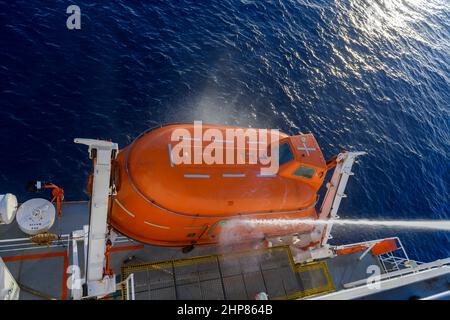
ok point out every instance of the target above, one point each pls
(305, 172)
(285, 153)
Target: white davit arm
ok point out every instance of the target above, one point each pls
(335, 190)
(105, 152)
(97, 144)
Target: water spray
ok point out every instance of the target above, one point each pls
(442, 225)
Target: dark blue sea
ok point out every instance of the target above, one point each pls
(360, 75)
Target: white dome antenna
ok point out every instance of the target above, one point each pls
(36, 216)
(8, 208)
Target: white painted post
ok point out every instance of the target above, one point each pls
(105, 151)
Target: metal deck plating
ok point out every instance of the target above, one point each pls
(41, 270)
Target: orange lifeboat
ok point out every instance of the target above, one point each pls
(163, 203)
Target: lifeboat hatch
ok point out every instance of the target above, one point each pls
(234, 276)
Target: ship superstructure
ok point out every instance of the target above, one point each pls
(125, 243)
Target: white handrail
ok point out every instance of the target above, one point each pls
(390, 275)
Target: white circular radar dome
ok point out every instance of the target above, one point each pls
(8, 208)
(36, 216)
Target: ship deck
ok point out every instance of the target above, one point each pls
(167, 273)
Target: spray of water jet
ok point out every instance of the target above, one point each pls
(443, 225)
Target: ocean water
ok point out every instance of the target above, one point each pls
(360, 75)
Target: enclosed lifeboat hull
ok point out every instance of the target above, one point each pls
(163, 203)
